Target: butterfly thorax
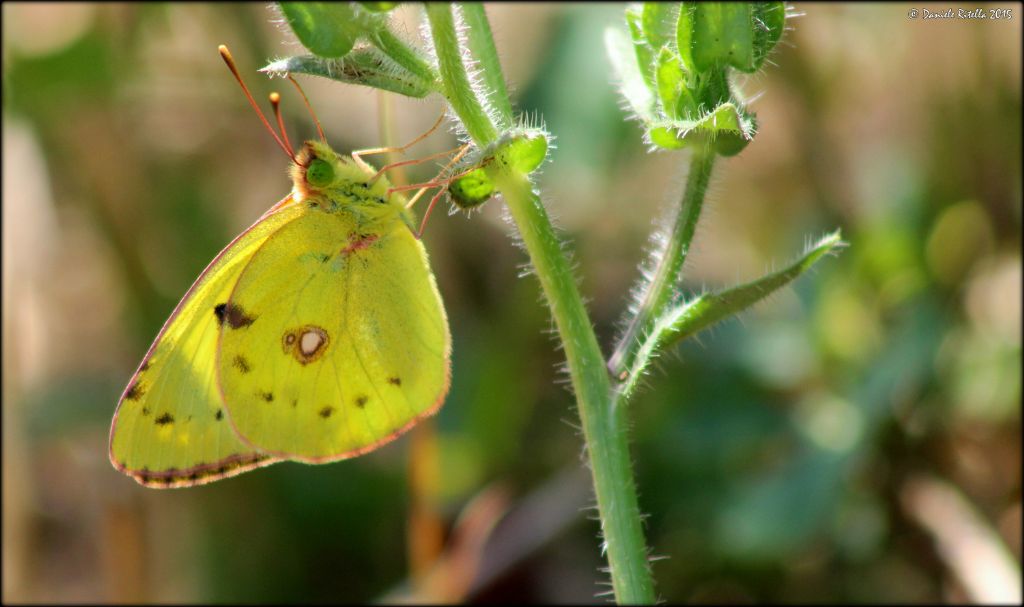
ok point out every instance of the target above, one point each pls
(335, 183)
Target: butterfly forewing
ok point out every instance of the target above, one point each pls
(335, 339)
(171, 427)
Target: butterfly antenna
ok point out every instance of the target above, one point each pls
(319, 129)
(275, 100)
(230, 61)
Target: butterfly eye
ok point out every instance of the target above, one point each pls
(319, 173)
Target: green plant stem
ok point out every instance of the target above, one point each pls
(604, 428)
(481, 47)
(455, 81)
(669, 268)
(400, 52)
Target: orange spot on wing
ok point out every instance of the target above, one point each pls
(359, 243)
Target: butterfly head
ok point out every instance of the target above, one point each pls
(318, 170)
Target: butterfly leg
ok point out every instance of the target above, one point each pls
(358, 154)
(461, 149)
(447, 167)
(442, 184)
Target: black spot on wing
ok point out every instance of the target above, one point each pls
(361, 401)
(232, 315)
(326, 412)
(178, 477)
(241, 364)
(395, 381)
(164, 419)
(267, 396)
(219, 415)
(135, 392)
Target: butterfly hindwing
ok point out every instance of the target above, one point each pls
(171, 428)
(335, 339)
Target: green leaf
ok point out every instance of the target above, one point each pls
(728, 128)
(631, 82)
(677, 101)
(671, 82)
(684, 35)
(329, 29)
(736, 34)
(722, 35)
(769, 22)
(657, 20)
(366, 66)
(705, 310)
(667, 138)
(644, 58)
(686, 106)
(729, 144)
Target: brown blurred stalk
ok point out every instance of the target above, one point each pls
(967, 543)
(425, 533)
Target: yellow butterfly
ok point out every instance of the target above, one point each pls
(316, 335)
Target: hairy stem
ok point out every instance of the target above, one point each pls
(663, 285)
(400, 52)
(604, 428)
(481, 46)
(457, 88)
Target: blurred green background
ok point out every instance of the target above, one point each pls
(855, 438)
